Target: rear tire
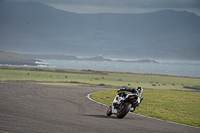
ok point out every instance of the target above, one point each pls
(109, 111)
(125, 109)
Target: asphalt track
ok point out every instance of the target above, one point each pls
(29, 108)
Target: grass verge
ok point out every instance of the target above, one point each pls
(176, 106)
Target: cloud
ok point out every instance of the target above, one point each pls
(125, 3)
(129, 3)
(122, 6)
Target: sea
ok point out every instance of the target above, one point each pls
(169, 67)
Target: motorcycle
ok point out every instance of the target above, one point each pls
(125, 102)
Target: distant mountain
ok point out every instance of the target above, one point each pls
(74, 58)
(63, 57)
(49, 57)
(33, 27)
(10, 58)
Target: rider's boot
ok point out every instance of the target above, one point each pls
(132, 109)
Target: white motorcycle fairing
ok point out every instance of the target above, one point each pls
(114, 111)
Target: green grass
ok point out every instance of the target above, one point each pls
(162, 102)
(177, 106)
(104, 78)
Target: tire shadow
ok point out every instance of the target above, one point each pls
(108, 117)
(102, 116)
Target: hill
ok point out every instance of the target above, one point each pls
(33, 27)
(74, 58)
(10, 58)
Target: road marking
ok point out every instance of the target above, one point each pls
(88, 96)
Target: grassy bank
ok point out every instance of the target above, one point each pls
(177, 106)
(97, 78)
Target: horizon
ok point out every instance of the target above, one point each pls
(104, 57)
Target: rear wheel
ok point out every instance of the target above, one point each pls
(109, 111)
(123, 110)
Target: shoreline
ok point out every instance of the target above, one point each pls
(87, 71)
(30, 62)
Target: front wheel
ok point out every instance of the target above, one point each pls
(123, 110)
(109, 111)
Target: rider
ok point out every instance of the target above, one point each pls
(138, 91)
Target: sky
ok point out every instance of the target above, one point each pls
(122, 6)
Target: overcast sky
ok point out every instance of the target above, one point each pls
(122, 6)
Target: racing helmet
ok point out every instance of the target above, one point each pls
(139, 89)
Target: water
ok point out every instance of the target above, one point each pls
(182, 68)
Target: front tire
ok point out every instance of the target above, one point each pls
(123, 110)
(109, 111)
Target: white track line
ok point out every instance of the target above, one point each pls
(88, 96)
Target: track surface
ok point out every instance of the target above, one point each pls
(28, 108)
